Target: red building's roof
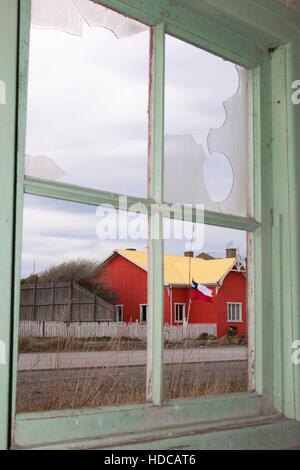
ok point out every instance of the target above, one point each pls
(179, 270)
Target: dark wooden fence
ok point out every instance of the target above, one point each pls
(62, 301)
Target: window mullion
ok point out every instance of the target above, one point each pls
(155, 189)
(9, 12)
(24, 34)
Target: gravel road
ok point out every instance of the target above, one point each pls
(68, 360)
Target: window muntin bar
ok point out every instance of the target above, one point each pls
(68, 192)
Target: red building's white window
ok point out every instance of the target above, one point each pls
(119, 313)
(179, 313)
(234, 311)
(143, 313)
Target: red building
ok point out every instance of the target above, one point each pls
(126, 272)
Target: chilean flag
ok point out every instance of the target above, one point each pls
(200, 292)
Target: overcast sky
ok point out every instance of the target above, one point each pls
(87, 111)
(55, 231)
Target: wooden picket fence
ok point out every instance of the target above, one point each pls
(50, 329)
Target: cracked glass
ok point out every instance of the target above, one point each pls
(206, 130)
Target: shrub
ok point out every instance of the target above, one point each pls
(82, 271)
(100, 289)
(72, 270)
(204, 336)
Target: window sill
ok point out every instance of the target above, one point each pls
(257, 433)
(106, 425)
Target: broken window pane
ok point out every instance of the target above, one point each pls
(87, 121)
(206, 126)
(70, 16)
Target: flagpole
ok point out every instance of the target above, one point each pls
(190, 289)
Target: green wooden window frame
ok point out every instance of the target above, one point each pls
(263, 37)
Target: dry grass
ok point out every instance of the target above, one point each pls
(61, 388)
(194, 380)
(187, 380)
(30, 344)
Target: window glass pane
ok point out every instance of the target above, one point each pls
(206, 126)
(143, 313)
(205, 351)
(179, 312)
(119, 312)
(233, 312)
(74, 351)
(87, 121)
